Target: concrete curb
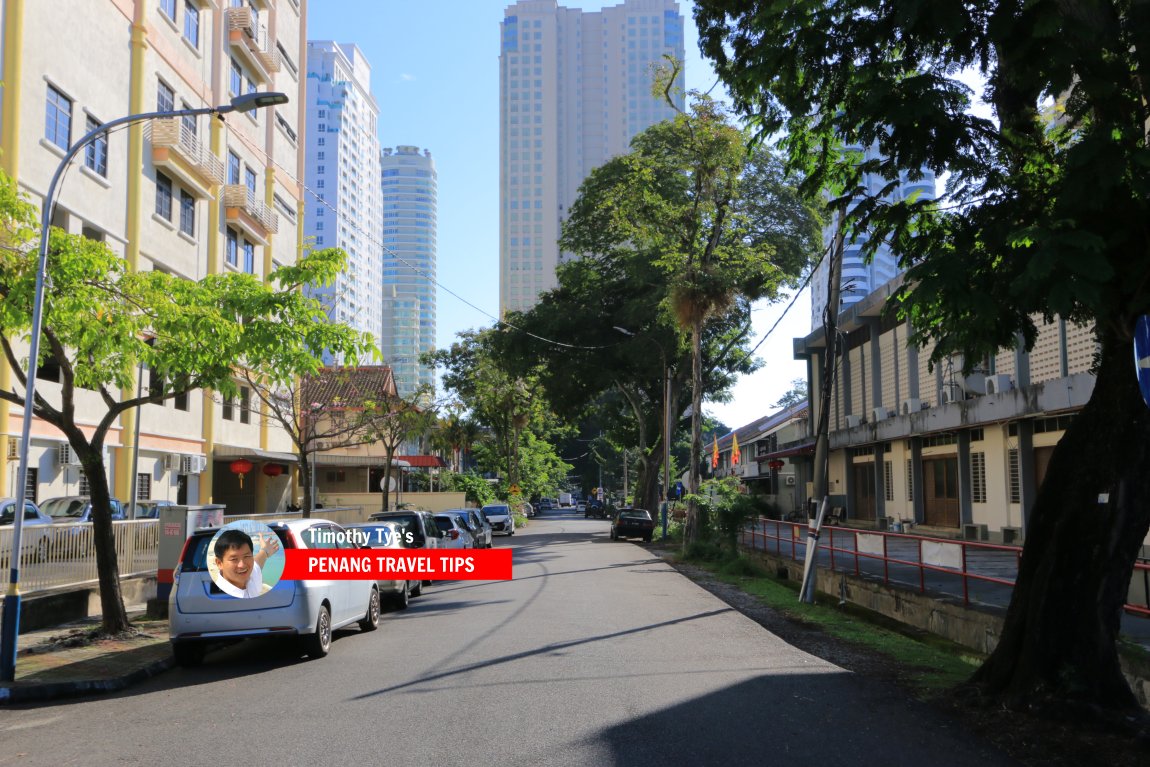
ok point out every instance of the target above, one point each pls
(38, 693)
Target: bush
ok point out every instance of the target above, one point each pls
(741, 566)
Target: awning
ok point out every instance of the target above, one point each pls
(806, 448)
(423, 461)
(335, 459)
(232, 452)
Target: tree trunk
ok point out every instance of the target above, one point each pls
(305, 470)
(115, 617)
(691, 534)
(1082, 538)
(647, 482)
(385, 484)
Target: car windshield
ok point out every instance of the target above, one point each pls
(390, 536)
(444, 524)
(635, 514)
(64, 508)
(496, 510)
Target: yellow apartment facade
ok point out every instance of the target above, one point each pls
(191, 197)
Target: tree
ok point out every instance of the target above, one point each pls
(1044, 214)
(705, 210)
(405, 419)
(101, 321)
(337, 407)
(797, 394)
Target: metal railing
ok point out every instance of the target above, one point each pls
(254, 37)
(239, 196)
(64, 554)
(985, 572)
(174, 134)
(341, 515)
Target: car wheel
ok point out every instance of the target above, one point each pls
(403, 598)
(188, 654)
(317, 645)
(370, 621)
(418, 590)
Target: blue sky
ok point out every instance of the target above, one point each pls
(435, 76)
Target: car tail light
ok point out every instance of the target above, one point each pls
(180, 563)
(454, 535)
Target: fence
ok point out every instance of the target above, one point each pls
(64, 554)
(983, 572)
(341, 515)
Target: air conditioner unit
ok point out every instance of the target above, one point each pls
(853, 421)
(998, 383)
(951, 395)
(790, 479)
(879, 414)
(172, 461)
(192, 464)
(13, 449)
(67, 456)
(975, 383)
(911, 406)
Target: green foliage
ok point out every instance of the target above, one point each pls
(477, 489)
(724, 501)
(796, 395)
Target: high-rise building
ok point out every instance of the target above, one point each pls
(859, 278)
(190, 196)
(408, 182)
(575, 88)
(343, 207)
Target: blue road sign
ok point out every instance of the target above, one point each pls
(1142, 355)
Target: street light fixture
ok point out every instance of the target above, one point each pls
(666, 421)
(10, 621)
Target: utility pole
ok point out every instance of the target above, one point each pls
(822, 455)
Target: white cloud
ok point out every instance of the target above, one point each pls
(407, 78)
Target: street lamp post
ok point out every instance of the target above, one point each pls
(10, 625)
(666, 422)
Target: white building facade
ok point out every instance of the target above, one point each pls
(192, 197)
(575, 88)
(409, 192)
(859, 278)
(343, 202)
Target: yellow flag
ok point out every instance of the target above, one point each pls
(735, 454)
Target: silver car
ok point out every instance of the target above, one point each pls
(455, 533)
(35, 533)
(306, 610)
(390, 535)
(500, 517)
(480, 528)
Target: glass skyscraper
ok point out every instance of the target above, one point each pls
(575, 88)
(408, 183)
(342, 160)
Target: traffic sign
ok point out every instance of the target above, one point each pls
(1142, 355)
(513, 489)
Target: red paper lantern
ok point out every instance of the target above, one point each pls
(273, 469)
(775, 464)
(241, 466)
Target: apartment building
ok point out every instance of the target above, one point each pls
(190, 196)
(957, 454)
(342, 157)
(860, 277)
(410, 221)
(757, 463)
(574, 89)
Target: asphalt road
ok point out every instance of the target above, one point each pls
(594, 654)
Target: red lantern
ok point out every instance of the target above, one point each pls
(273, 469)
(776, 464)
(241, 466)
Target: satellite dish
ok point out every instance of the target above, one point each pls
(390, 484)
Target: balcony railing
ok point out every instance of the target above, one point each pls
(247, 35)
(242, 208)
(173, 142)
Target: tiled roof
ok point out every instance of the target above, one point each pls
(341, 387)
(751, 431)
(422, 461)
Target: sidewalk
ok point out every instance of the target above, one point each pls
(60, 662)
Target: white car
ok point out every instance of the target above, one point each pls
(500, 517)
(305, 610)
(455, 533)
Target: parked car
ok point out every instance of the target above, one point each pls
(545, 504)
(595, 509)
(389, 535)
(581, 506)
(76, 508)
(479, 528)
(632, 523)
(500, 517)
(305, 610)
(150, 509)
(425, 534)
(35, 533)
(455, 533)
(527, 510)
